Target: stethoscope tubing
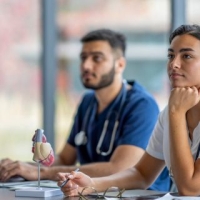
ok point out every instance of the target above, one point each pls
(105, 126)
(114, 131)
(111, 141)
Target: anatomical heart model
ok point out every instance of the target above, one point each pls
(42, 151)
(42, 155)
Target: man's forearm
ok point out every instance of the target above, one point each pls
(93, 170)
(100, 169)
(50, 173)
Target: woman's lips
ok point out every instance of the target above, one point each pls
(175, 75)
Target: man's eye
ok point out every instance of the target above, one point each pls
(83, 58)
(187, 56)
(97, 58)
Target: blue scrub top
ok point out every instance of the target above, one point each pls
(136, 122)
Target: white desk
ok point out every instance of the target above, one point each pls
(6, 194)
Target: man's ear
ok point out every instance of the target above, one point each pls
(120, 64)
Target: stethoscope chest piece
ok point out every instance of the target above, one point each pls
(80, 138)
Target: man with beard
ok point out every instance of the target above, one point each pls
(114, 120)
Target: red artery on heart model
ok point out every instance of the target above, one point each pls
(42, 150)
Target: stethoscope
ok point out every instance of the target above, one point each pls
(81, 138)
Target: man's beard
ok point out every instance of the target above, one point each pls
(106, 80)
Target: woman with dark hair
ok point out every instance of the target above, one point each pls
(175, 142)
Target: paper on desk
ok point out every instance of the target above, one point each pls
(11, 184)
(168, 196)
(49, 184)
(46, 184)
(17, 185)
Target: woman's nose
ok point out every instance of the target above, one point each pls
(175, 63)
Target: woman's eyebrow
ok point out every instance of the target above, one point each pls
(181, 50)
(186, 49)
(170, 50)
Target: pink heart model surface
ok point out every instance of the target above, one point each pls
(41, 149)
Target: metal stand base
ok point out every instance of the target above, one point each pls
(38, 192)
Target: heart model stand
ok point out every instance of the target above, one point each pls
(42, 154)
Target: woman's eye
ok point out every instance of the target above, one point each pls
(170, 56)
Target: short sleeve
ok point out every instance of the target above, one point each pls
(142, 114)
(155, 146)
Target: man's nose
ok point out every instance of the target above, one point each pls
(87, 64)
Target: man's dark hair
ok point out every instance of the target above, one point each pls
(193, 30)
(115, 39)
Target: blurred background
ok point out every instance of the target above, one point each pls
(146, 24)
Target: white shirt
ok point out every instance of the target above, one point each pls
(158, 146)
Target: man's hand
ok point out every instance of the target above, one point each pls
(9, 168)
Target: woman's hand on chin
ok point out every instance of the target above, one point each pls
(183, 98)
